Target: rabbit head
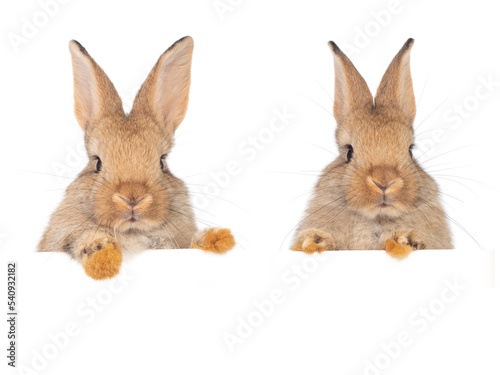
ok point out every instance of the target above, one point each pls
(375, 137)
(127, 178)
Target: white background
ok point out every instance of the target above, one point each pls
(250, 61)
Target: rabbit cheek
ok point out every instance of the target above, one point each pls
(154, 214)
(360, 196)
(357, 196)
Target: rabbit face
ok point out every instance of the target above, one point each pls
(130, 180)
(381, 177)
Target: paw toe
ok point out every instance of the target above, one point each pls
(311, 248)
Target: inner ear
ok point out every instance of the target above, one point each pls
(165, 93)
(351, 91)
(95, 95)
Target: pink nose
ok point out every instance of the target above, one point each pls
(132, 203)
(383, 187)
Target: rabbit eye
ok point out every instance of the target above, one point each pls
(350, 152)
(411, 150)
(98, 164)
(163, 164)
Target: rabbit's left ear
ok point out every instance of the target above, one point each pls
(396, 88)
(165, 93)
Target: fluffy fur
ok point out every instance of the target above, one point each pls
(374, 195)
(126, 195)
(396, 249)
(216, 240)
(103, 264)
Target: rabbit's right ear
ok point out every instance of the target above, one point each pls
(396, 87)
(165, 93)
(351, 91)
(95, 95)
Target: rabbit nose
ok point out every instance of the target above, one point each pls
(383, 187)
(133, 203)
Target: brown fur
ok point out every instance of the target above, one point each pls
(134, 200)
(104, 264)
(396, 249)
(346, 211)
(215, 240)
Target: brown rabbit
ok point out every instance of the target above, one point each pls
(374, 195)
(126, 198)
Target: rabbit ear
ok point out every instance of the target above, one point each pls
(165, 93)
(351, 91)
(95, 95)
(396, 87)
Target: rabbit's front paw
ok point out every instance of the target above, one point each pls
(402, 244)
(102, 258)
(215, 240)
(314, 240)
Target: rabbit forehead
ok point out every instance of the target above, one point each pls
(376, 137)
(125, 142)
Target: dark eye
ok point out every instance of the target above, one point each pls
(411, 150)
(98, 164)
(163, 164)
(350, 152)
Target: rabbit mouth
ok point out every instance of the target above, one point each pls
(384, 201)
(132, 217)
(133, 221)
(387, 206)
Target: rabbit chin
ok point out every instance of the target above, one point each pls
(383, 211)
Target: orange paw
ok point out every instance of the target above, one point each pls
(313, 241)
(103, 264)
(215, 240)
(397, 250)
(309, 249)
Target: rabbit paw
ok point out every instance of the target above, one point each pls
(402, 244)
(397, 250)
(102, 259)
(314, 240)
(215, 240)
